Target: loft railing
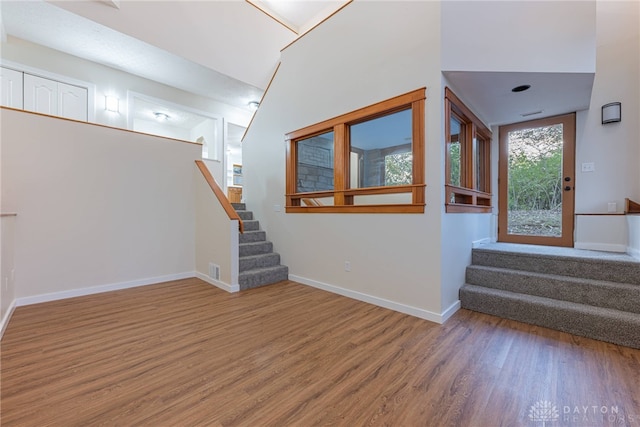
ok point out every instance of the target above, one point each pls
(224, 202)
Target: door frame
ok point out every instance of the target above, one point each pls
(568, 167)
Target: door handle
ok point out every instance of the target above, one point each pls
(567, 188)
(567, 178)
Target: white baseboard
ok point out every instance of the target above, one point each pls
(477, 243)
(217, 283)
(36, 299)
(381, 302)
(7, 317)
(450, 311)
(605, 247)
(633, 252)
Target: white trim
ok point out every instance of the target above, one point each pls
(7, 317)
(36, 299)
(91, 88)
(478, 243)
(217, 283)
(380, 302)
(605, 247)
(633, 252)
(450, 311)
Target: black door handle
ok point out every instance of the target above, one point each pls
(567, 188)
(567, 178)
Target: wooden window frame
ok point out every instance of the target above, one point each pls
(342, 194)
(468, 198)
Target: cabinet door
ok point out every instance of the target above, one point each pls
(72, 102)
(11, 88)
(40, 95)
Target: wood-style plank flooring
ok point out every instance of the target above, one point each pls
(185, 353)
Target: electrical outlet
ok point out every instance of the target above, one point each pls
(588, 167)
(347, 266)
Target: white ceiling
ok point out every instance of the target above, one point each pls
(225, 50)
(550, 94)
(228, 50)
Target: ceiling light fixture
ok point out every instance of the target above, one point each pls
(521, 88)
(161, 117)
(254, 105)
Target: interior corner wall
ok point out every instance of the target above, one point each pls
(613, 148)
(96, 206)
(216, 237)
(344, 64)
(461, 230)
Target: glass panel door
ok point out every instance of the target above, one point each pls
(537, 181)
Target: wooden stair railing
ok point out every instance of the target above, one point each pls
(226, 205)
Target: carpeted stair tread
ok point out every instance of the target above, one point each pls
(251, 225)
(612, 268)
(605, 324)
(615, 295)
(255, 248)
(262, 276)
(253, 236)
(258, 264)
(259, 261)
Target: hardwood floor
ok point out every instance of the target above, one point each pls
(185, 353)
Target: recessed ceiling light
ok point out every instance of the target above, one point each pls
(161, 117)
(520, 88)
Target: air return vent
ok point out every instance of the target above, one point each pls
(214, 271)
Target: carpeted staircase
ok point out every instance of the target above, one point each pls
(259, 265)
(586, 293)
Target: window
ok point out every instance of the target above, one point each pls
(368, 161)
(468, 161)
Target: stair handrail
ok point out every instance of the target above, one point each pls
(224, 201)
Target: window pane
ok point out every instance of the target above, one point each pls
(381, 151)
(455, 159)
(315, 163)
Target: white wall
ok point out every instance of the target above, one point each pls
(614, 147)
(216, 238)
(110, 81)
(633, 225)
(7, 263)
(345, 64)
(512, 36)
(97, 206)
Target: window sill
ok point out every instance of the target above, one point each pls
(359, 209)
(466, 200)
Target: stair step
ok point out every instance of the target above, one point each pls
(605, 324)
(253, 236)
(239, 206)
(255, 248)
(251, 225)
(263, 276)
(245, 215)
(607, 267)
(615, 295)
(259, 261)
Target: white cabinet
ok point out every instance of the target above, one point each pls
(11, 88)
(54, 98)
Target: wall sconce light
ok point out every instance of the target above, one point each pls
(112, 103)
(611, 113)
